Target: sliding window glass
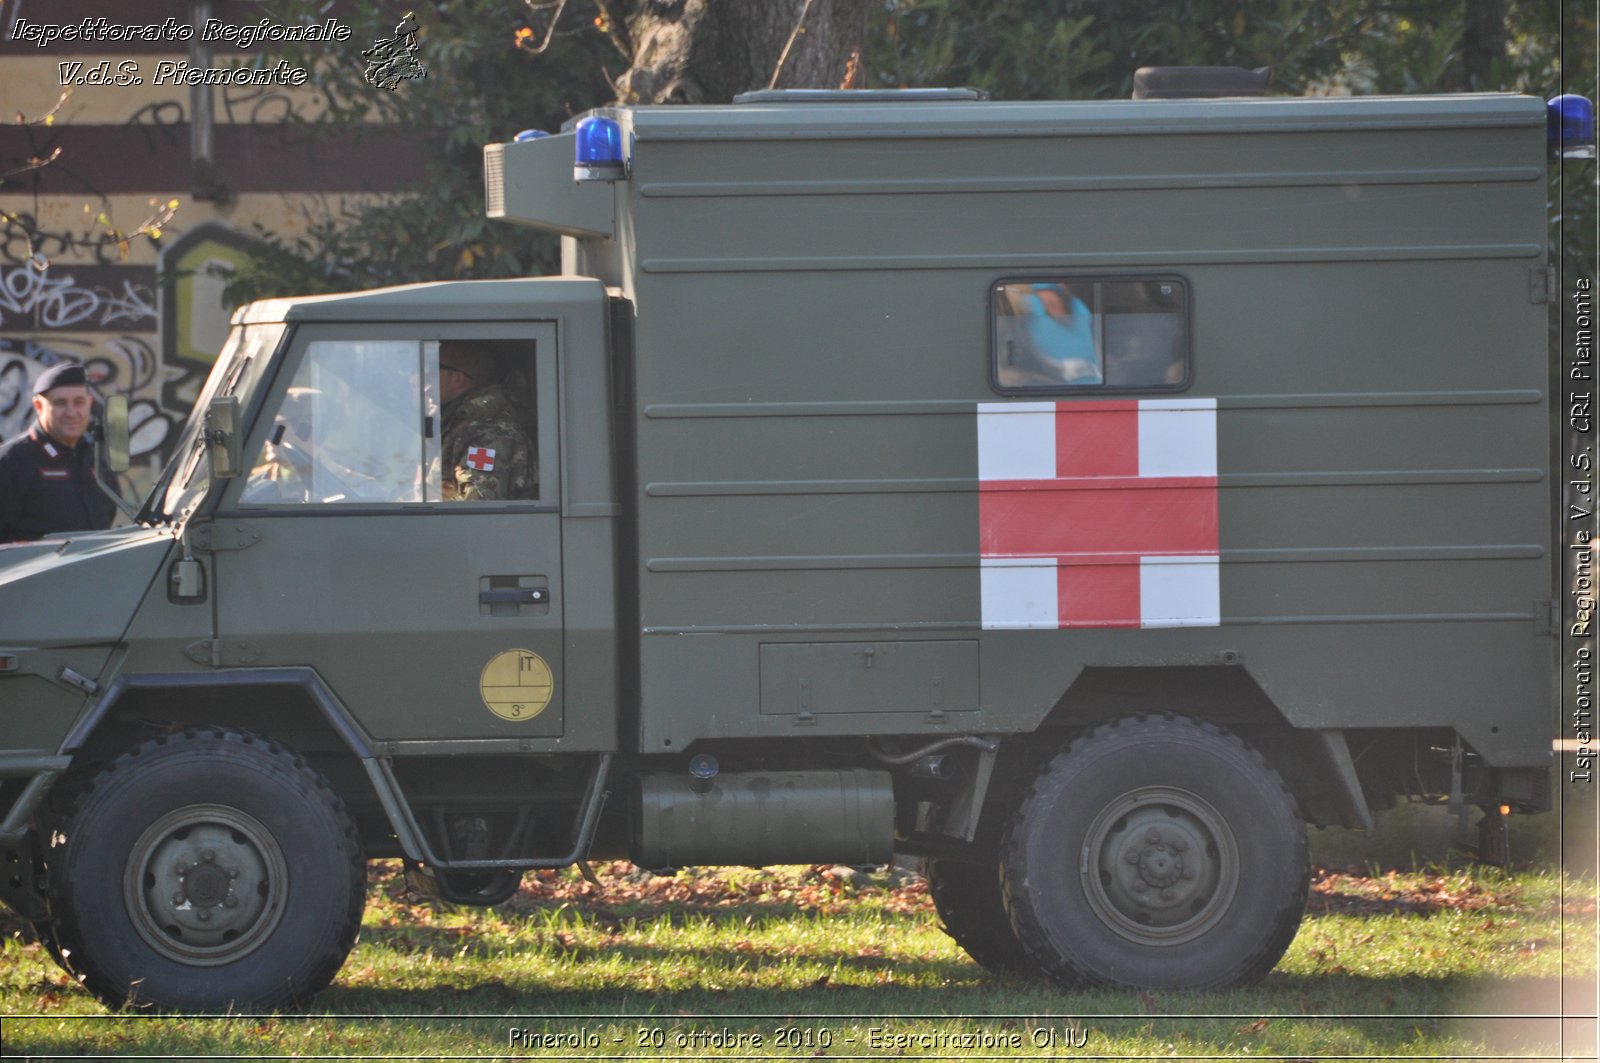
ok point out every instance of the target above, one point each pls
(1072, 333)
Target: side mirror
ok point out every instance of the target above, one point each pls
(221, 434)
(116, 434)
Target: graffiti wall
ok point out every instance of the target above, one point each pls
(149, 333)
(81, 314)
(79, 154)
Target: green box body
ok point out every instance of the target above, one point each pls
(784, 500)
(812, 345)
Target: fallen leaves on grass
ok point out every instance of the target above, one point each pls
(1412, 894)
(625, 888)
(626, 892)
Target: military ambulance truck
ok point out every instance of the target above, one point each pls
(1084, 497)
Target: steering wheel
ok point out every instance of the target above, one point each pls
(320, 467)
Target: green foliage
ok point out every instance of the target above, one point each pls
(21, 235)
(480, 88)
(1419, 46)
(1089, 49)
(441, 234)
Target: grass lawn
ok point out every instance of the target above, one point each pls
(797, 962)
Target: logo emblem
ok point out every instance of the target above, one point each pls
(516, 685)
(481, 458)
(392, 60)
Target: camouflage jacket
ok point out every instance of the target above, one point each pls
(485, 450)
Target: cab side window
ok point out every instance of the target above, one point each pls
(487, 436)
(349, 429)
(1070, 333)
(386, 421)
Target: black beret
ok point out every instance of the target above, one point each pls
(59, 376)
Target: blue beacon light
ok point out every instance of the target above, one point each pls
(1570, 127)
(598, 150)
(530, 134)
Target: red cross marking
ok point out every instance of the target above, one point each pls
(1099, 513)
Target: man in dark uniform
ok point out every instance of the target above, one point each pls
(486, 451)
(47, 474)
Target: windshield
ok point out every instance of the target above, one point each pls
(188, 475)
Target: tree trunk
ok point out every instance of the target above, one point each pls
(1483, 42)
(708, 51)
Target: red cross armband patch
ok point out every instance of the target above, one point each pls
(481, 458)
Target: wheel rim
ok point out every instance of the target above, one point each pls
(1159, 866)
(205, 884)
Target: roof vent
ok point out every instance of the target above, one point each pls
(1198, 82)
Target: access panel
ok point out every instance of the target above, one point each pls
(929, 677)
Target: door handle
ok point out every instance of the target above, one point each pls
(514, 596)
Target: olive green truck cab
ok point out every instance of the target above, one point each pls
(1083, 497)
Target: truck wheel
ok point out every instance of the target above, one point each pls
(1160, 853)
(45, 931)
(204, 871)
(969, 902)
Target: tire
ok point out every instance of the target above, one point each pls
(969, 902)
(1157, 853)
(207, 871)
(45, 931)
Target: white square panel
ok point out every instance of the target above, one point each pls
(1016, 440)
(1180, 592)
(1019, 592)
(1178, 437)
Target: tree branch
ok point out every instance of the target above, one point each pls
(783, 57)
(615, 26)
(550, 33)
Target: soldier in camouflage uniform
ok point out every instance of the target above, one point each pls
(486, 452)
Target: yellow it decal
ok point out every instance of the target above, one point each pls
(516, 685)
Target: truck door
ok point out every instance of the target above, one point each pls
(397, 529)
